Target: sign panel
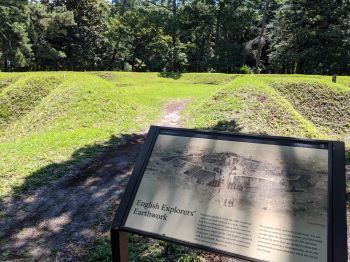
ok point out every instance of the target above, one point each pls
(260, 198)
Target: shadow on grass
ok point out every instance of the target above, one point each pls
(66, 219)
(173, 75)
(227, 126)
(78, 159)
(59, 220)
(62, 219)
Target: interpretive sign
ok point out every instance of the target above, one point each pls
(260, 198)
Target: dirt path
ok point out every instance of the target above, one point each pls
(172, 116)
(60, 220)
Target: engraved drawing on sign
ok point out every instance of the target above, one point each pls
(233, 180)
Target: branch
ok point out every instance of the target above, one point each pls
(7, 39)
(162, 6)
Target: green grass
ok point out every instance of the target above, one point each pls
(142, 249)
(301, 106)
(326, 105)
(19, 98)
(6, 80)
(50, 123)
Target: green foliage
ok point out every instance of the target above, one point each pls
(101, 251)
(197, 23)
(145, 39)
(142, 249)
(244, 69)
(48, 28)
(85, 43)
(15, 47)
(236, 25)
(176, 36)
(301, 27)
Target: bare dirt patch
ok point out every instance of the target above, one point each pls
(172, 113)
(60, 221)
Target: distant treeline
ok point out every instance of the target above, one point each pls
(232, 36)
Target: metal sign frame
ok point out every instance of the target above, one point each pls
(336, 229)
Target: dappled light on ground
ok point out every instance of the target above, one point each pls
(67, 157)
(69, 213)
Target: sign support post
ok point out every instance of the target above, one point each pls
(119, 241)
(260, 198)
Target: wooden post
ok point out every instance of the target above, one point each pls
(334, 78)
(119, 240)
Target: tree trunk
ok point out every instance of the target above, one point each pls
(262, 32)
(5, 65)
(174, 35)
(110, 66)
(217, 27)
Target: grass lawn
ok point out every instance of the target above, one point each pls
(46, 117)
(50, 122)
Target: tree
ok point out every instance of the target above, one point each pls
(15, 47)
(117, 44)
(261, 37)
(197, 22)
(236, 25)
(310, 37)
(148, 44)
(48, 32)
(85, 42)
(282, 36)
(176, 57)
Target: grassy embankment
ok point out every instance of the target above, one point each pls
(46, 117)
(301, 106)
(50, 122)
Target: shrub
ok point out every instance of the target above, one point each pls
(244, 69)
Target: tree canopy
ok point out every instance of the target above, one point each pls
(232, 36)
